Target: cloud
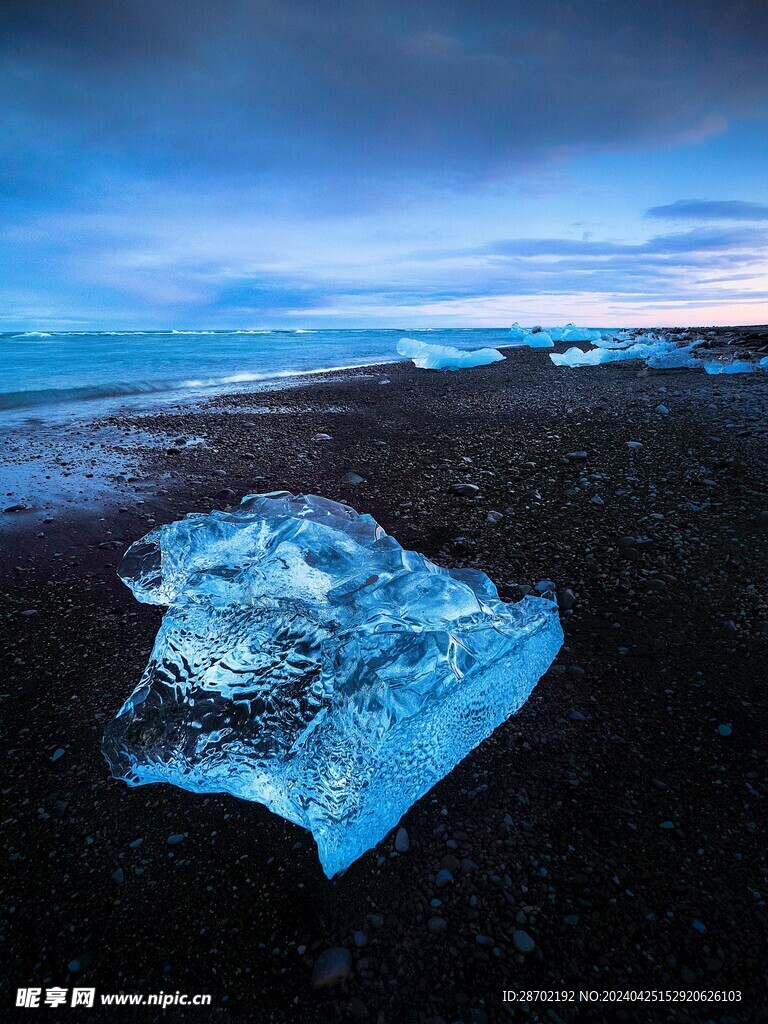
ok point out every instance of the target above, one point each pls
(702, 209)
(699, 240)
(353, 87)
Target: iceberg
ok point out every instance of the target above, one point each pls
(445, 357)
(306, 661)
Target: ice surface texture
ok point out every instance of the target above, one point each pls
(308, 662)
(445, 357)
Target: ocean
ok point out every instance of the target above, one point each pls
(62, 375)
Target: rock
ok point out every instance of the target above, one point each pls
(576, 716)
(177, 837)
(634, 445)
(353, 478)
(543, 586)
(443, 878)
(661, 408)
(360, 939)
(494, 517)
(577, 456)
(464, 490)
(656, 586)
(226, 494)
(724, 729)
(331, 967)
(762, 520)
(322, 437)
(402, 842)
(566, 599)
(118, 876)
(14, 508)
(437, 925)
(523, 942)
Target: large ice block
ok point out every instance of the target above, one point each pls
(445, 357)
(308, 662)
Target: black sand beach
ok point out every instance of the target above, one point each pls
(608, 837)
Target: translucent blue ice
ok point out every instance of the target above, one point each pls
(713, 366)
(657, 352)
(308, 662)
(445, 357)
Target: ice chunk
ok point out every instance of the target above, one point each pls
(445, 357)
(308, 662)
(572, 333)
(538, 339)
(592, 357)
(517, 333)
(658, 353)
(737, 366)
(533, 337)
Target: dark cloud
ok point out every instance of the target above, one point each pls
(701, 209)
(350, 86)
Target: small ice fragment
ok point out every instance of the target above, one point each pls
(445, 357)
(308, 662)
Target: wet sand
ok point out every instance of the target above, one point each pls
(615, 820)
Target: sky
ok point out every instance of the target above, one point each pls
(354, 163)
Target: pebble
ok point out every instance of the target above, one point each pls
(331, 967)
(437, 925)
(353, 478)
(402, 841)
(577, 456)
(464, 490)
(724, 729)
(177, 837)
(662, 409)
(523, 942)
(634, 444)
(443, 878)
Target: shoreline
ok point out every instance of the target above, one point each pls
(556, 826)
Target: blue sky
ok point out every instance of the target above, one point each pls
(257, 163)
